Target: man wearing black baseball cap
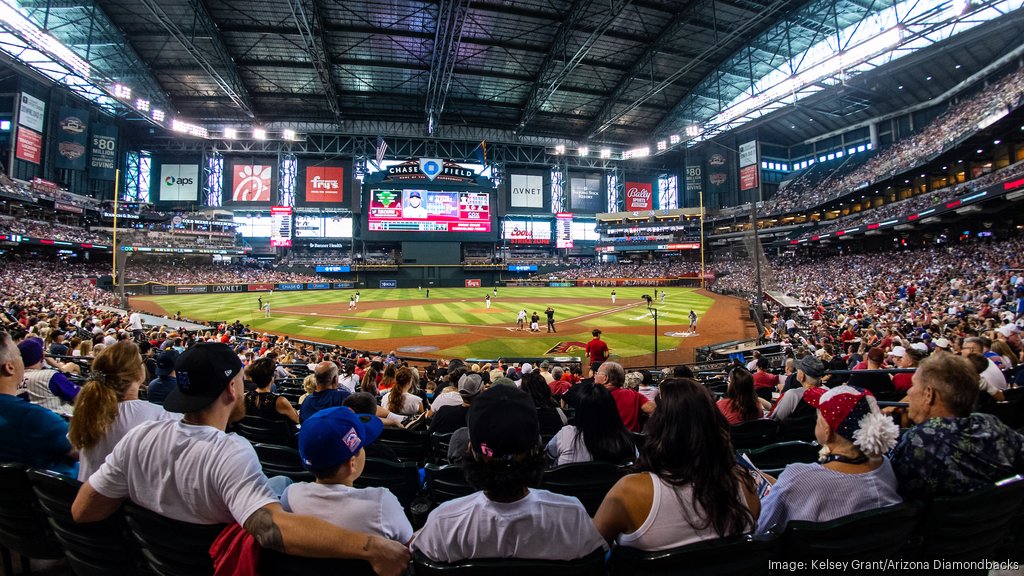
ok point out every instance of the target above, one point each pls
(506, 518)
(193, 472)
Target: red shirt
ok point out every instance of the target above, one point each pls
(901, 381)
(629, 402)
(765, 380)
(597, 350)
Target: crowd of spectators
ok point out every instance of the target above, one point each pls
(961, 119)
(195, 271)
(596, 270)
(51, 230)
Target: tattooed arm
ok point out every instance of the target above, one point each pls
(300, 535)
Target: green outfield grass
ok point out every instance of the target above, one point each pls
(452, 311)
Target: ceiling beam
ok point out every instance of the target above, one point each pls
(218, 64)
(559, 63)
(308, 18)
(451, 16)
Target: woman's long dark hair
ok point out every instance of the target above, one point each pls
(537, 387)
(688, 444)
(741, 394)
(600, 426)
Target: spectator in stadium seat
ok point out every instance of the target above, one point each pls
(327, 393)
(58, 347)
(598, 433)
(689, 487)
(46, 387)
(631, 404)
(951, 451)
(992, 374)
(980, 364)
(876, 382)
(108, 406)
(333, 446)
(400, 399)
(450, 418)
(796, 416)
(165, 380)
(508, 517)
(215, 477)
(261, 401)
(29, 433)
(740, 403)
(549, 415)
(764, 381)
(910, 358)
(854, 475)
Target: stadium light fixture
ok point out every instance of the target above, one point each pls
(230, 133)
(693, 130)
(606, 153)
(158, 115)
(997, 142)
(559, 150)
(5, 125)
(584, 151)
(259, 134)
(288, 134)
(142, 105)
(122, 92)
(190, 129)
(40, 40)
(662, 145)
(673, 139)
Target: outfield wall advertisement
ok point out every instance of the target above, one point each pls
(163, 289)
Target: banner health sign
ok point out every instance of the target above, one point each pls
(103, 152)
(72, 133)
(289, 286)
(319, 286)
(389, 283)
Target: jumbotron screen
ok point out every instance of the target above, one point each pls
(410, 210)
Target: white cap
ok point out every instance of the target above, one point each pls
(1008, 330)
(920, 346)
(898, 352)
(527, 368)
(942, 343)
(819, 352)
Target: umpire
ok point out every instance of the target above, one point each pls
(551, 319)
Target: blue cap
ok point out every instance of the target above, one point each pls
(333, 436)
(414, 194)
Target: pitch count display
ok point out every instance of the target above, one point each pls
(429, 211)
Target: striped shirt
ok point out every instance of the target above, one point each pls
(819, 494)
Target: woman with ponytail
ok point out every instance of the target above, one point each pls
(108, 406)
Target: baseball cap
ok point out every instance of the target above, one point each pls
(920, 346)
(898, 352)
(1008, 330)
(527, 368)
(204, 372)
(853, 413)
(502, 381)
(811, 366)
(31, 351)
(165, 362)
(414, 194)
(503, 423)
(333, 436)
(942, 343)
(470, 385)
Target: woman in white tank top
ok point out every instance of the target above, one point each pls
(690, 487)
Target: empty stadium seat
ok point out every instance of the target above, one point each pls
(754, 434)
(774, 458)
(401, 478)
(23, 527)
(869, 535)
(281, 564)
(439, 447)
(408, 445)
(262, 430)
(588, 482)
(170, 547)
(282, 461)
(734, 556)
(972, 526)
(446, 483)
(94, 549)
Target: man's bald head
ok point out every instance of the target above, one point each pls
(326, 374)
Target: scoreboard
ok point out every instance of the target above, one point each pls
(412, 210)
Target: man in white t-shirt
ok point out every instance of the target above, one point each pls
(191, 471)
(331, 446)
(506, 518)
(135, 325)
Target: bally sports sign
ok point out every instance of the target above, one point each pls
(639, 196)
(325, 183)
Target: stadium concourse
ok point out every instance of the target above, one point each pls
(450, 287)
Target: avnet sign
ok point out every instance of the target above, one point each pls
(527, 191)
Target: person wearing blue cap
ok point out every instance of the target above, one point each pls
(414, 206)
(332, 446)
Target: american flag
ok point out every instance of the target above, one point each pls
(382, 148)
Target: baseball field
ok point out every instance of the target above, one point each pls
(456, 322)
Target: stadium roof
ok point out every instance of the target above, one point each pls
(598, 71)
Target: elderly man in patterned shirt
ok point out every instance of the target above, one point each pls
(952, 451)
